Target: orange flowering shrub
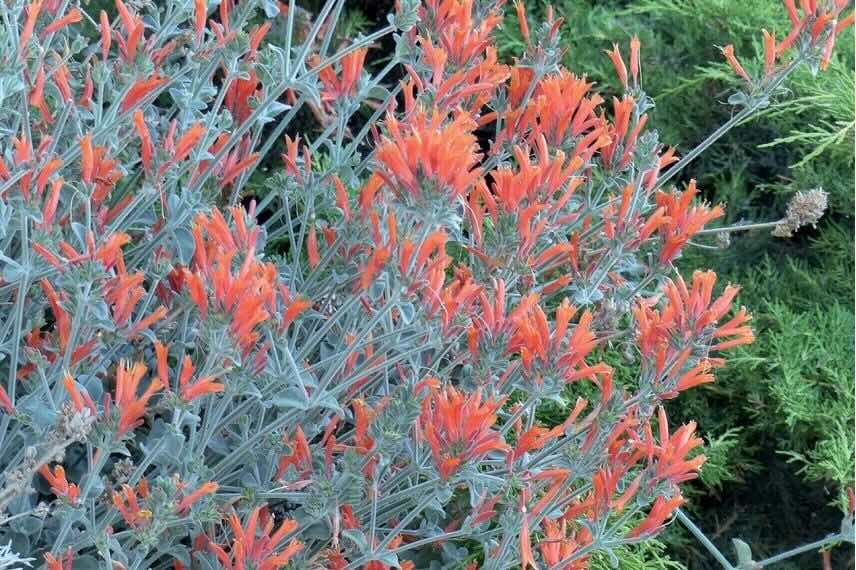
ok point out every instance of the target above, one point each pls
(343, 367)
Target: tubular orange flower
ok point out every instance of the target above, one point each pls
(33, 11)
(45, 174)
(313, 256)
(6, 402)
(61, 80)
(140, 90)
(769, 52)
(459, 428)
(64, 562)
(106, 34)
(682, 221)
(87, 158)
(188, 141)
(132, 407)
(134, 29)
(336, 87)
(72, 17)
(431, 149)
(671, 454)
(200, 13)
(146, 148)
(527, 560)
(662, 509)
(376, 262)
(520, 7)
(78, 400)
(635, 45)
(205, 489)
(192, 390)
(262, 552)
(128, 506)
(59, 484)
(560, 543)
(238, 96)
(63, 322)
(618, 63)
(51, 202)
(300, 456)
(148, 321)
(97, 169)
(728, 52)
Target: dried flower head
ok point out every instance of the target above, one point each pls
(806, 207)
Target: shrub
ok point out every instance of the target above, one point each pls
(342, 365)
(800, 141)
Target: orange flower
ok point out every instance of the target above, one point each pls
(533, 340)
(6, 402)
(29, 25)
(769, 52)
(147, 321)
(671, 463)
(560, 543)
(200, 13)
(122, 294)
(370, 271)
(205, 385)
(682, 221)
(146, 148)
(238, 95)
(558, 110)
(78, 400)
(462, 37)
(662, 509)
(37, 96)
(140, 90)
(63, 322)
(134, 29)
(64, 562)
(459, 428)
(300, 456)
(621, 137)
(248, 295)
(728, 52)
(532, 439)
(97, 169)
(188, 141)
(205, 489)
(618, 63)
(106, 34)
(429, 149)
(129, 507)
(635, 46)
(45, 174)
(520, 8)
(59, 484)
(61, 79)
(72, 17)
(258, 551)
(132, 407)
(692, 315)
(336, 87)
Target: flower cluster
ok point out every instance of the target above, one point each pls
(211, 358)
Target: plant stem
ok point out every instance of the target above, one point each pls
(699, 534)
(756, 104)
